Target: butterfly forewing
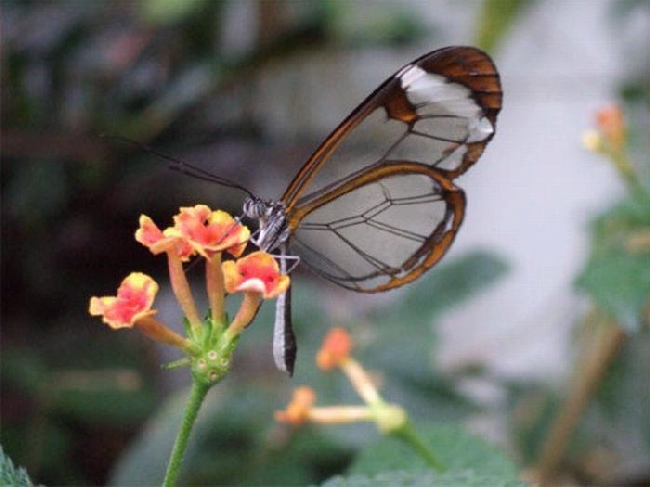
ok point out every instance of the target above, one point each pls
(375, 205)
(439, 110)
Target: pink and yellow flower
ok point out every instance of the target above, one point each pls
(133, 302)
(257, 273)
(132, 307)
(209, 232)
(158, 241)
(196, 230)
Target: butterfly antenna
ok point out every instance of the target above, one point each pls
(182, 166)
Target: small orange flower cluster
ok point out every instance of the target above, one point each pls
(197, 231)
(611, 125)
(609, 138)
(335, 352)
(610, 134)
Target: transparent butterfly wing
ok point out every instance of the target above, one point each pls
(439, 110)
(375, 206)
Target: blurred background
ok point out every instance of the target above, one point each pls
(533, 331)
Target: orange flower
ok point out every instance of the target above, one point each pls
(611, 124)
(133, 302)
(158, 241)
(335, 349)
(132, 307)
(256, 273)
(209, 232)
(299, 407)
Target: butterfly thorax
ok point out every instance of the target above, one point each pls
(272, 218)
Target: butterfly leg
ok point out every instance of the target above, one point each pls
(284, 340)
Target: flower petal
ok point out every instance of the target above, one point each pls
(257, 272)
(611, 124)
(298, 409)
(134, 299)
(335, 349)
(209, 232)
(157, 241)
(148, 233)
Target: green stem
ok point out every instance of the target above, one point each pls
(199, 390)
(407, 434)
(626, 170)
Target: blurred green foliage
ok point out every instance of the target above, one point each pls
(616, 276)
(496, 19)
(608, 397)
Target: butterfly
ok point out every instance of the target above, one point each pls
(376, 206)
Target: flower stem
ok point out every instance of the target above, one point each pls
(214, 282)
(198, 393)
(247, 311)
(407, 434)
(361, 381)
(183, 293)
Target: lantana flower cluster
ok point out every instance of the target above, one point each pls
(391, 419)
(336, 353)
(609, 137)
(197, 232)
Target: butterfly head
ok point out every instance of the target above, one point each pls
(272, 218)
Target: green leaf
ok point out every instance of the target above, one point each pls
(615, 277)
(469, 461)
(10, 475)
(467, 478)
(610, 230)
(620, 284)
(114, 394)
(457, 449)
